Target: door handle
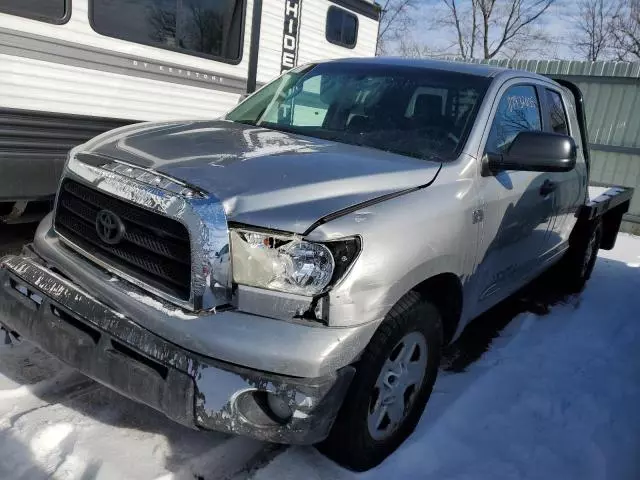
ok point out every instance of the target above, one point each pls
(547, 187)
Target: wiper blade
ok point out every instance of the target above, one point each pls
(430, 156)
(246, 122)
(280, 128)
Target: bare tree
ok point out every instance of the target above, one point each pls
(163, 24)
(486, 28)
(204, 30)
(464, 19)
(411, 48)
(625, 30)
(198, 29)
(395, 21)
(594, 28)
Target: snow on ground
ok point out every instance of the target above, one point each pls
(56, 422)
(555, 397)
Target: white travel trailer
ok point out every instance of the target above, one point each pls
(70, 70)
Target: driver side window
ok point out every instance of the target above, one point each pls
(518, 111)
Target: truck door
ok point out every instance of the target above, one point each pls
(569, 186)
(517, 208)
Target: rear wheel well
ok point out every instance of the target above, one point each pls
(445, 292)
(610, 220)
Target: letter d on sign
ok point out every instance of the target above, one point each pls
(289, 43)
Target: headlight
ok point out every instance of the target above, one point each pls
(287, 263)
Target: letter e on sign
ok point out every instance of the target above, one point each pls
(290, 34)
(288, 61)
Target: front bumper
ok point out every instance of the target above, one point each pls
(196, 391)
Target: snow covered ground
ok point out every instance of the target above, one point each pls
(555, 397)
(55, 422)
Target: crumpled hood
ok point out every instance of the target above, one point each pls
(263, 177)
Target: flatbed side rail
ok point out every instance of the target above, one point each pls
(610, 206)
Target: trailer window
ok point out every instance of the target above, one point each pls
(209, 28)
(50, 11)
(342, 27)
(558, 117)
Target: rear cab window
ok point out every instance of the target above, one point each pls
(308, 107)
(518, 111)
(557, 114)
(49, 11)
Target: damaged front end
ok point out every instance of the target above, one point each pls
(64, 320)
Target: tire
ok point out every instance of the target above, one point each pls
(581, 257)
(359, 441)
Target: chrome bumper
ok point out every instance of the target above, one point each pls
(194, 390)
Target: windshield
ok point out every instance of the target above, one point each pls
(412, 111)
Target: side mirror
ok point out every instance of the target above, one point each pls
(535, 152)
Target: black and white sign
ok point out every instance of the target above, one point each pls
(290, 36)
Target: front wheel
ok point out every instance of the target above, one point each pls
(393, 382)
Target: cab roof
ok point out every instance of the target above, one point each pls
(478, 69)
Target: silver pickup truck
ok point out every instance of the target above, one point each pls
(291, 272)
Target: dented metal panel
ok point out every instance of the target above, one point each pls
(262, 302)
(264, 177)
(203, 216)
(193, 390)
(230, 335)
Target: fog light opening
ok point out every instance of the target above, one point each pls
(263, 409)
(279, 407)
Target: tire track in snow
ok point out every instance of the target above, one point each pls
(53, 445)
(70, 391)
(35, 386)
(73, 428)
(234, 459)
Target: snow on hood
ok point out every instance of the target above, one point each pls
(265, 177)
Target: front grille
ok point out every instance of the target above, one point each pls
(154, 248)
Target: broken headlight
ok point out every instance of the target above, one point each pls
(288, 263)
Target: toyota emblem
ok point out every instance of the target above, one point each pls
(109, 227)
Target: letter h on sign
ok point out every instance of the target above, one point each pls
(290, 34)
